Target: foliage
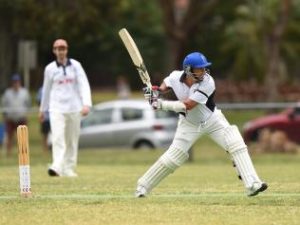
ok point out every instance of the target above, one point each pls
(230, 33)
(248, 34)
(91, 28)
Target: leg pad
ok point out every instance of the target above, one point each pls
(165, 165)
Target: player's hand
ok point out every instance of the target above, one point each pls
(41, 116)
(151, 94)
(85, 110)
(157, 104)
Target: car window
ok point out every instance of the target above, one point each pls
(129, 114)
(165, 114)
(98, 117)
(297, 111)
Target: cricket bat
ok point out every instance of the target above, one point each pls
(135, 56)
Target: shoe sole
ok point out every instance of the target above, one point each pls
(52, 173)
(263, 187)
(141, 196)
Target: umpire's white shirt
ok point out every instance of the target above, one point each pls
(202, 92)
(66, 88)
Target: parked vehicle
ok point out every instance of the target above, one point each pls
(127, 123)
(287, 121)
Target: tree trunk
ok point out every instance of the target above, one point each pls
(6, 59)
(176, 51)
(181, 24)
(272, 42)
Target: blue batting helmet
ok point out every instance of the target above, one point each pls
(195, 60)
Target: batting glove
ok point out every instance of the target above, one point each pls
(151, 94)
(147, 93)
(157, 104)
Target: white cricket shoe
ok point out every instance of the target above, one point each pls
(256, 188)
(140, 192)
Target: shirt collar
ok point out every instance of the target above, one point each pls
(67, 64)
(182, 77)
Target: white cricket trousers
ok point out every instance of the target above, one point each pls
(217, 128)
(65, 128)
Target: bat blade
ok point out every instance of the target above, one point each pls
(135, 55)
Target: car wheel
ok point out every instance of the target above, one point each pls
(143, 144)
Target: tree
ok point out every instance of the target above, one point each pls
(165, 30)
(273, 41)
(257, 37)
(8, 36)
(90, 26)
(182, 19)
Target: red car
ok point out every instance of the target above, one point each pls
(287, 121)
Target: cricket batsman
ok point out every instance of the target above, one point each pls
(66, 95)
(195, 88)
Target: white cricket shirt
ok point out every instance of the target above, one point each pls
(201, 92)
(66, 88)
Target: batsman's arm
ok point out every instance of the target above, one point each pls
(163, 87)
(176, 106)
(167, 93)
(188, 103)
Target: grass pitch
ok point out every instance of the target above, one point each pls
(205, 191)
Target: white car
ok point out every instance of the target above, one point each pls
(127, 123)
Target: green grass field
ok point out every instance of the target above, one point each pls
(205, 191)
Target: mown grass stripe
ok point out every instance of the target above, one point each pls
(110, 196)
